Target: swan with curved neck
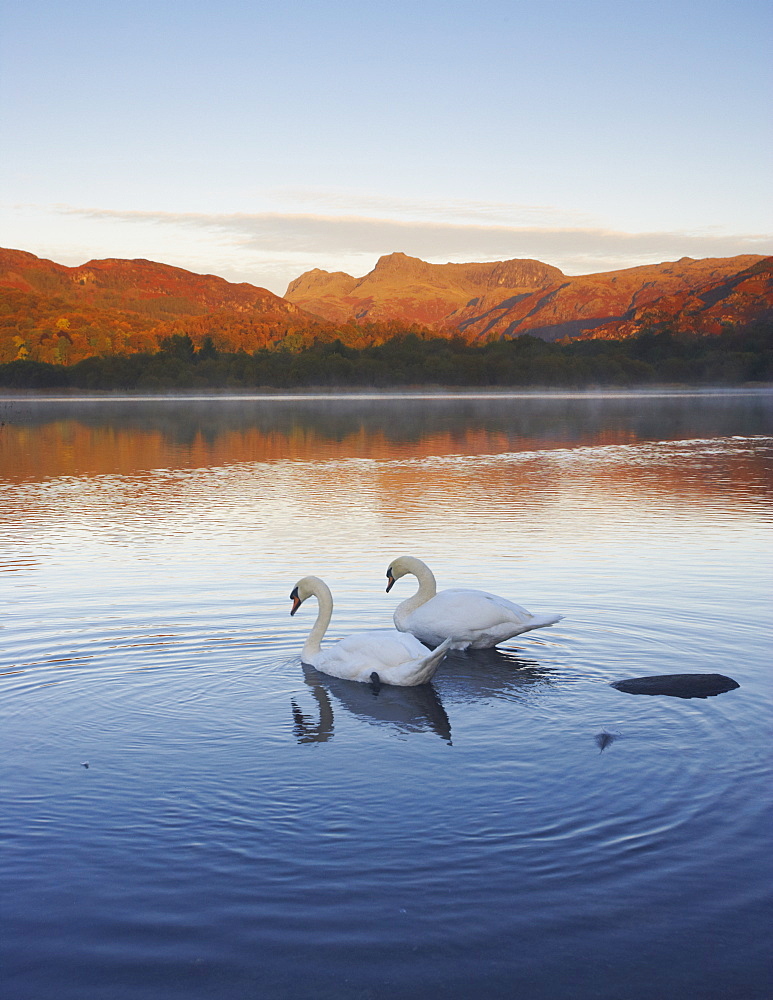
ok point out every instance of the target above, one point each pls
(474, 619)
(385, 656)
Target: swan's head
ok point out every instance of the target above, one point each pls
(401, 567)
(309, 586)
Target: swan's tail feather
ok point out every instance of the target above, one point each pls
(431, 662)
(542, 621)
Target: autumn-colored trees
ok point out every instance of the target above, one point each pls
(183, 362)
(56, 330)
(39, 328)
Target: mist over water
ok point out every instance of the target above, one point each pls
(248, 826)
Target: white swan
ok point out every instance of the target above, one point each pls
(383, 656)
(472, 618)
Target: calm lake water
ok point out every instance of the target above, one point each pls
(191, 813)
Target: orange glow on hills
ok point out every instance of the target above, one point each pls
(62, 315)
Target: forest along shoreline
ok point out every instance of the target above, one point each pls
(733, 358)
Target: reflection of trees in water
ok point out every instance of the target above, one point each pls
(467, 677)
(107, 437)
(541, 419)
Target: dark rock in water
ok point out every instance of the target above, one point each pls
(603, 739)
(678, 685)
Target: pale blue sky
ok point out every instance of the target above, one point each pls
(258, 140)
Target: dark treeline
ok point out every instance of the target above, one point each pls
(409, 360)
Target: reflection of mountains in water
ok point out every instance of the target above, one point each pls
(233, 430)
(479, 674)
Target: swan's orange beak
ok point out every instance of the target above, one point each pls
(390, 580)
(296, 602)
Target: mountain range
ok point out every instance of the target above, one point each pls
(513, 297)
(50, 312)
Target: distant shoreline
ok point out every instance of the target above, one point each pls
(418, 392)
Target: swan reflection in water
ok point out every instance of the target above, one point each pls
(498, 673)
(409, 709)
(469, 676)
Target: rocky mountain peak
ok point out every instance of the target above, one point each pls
(316, 281)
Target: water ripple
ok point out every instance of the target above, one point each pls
(238, 804)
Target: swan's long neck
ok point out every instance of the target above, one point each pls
(427, 590)
(325, 601)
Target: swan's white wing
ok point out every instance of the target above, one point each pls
(473, 618)
(479, 609)
(465, 615)
(395, 656)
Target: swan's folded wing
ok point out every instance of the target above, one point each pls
(357, 655)
(396, 657)
(473, 609)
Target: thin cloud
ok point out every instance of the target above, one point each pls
(332, 236)
(449, 210)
